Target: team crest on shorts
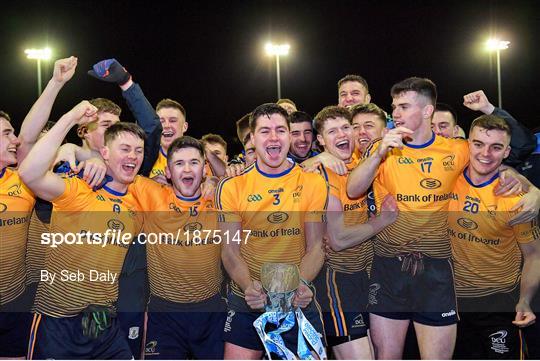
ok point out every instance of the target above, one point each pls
(133, 333)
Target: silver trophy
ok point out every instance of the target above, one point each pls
(280, 281)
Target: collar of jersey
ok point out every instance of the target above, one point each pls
(187, 199)
(2, 172)
(287, 171)
(486, 183)
(162, 151)
(113, 192)
(429, 142)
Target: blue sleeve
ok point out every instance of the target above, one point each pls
(146, 118)
(523, 141)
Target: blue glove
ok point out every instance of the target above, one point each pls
(110, 70)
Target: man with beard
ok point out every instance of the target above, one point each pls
(301, 137)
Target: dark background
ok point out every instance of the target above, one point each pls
(209, 55)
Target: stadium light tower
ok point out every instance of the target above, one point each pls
(498, 45)
(277, 51)
(39, 55)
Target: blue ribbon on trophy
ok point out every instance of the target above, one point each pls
(280, 281)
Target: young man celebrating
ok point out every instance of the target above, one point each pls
(342, 285)
(352, 89)
(412, 276)
(301, 137)
(488, 253)
(78, 289)
(283, 208)
(186, 312)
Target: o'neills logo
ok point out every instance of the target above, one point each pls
(193, 226)
(277, 217)
(467, 223)
(430, 183)
(116, 225)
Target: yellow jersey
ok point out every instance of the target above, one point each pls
(355, 211)
(183, 249)
(273, 208)
(485, 249)
(16, 204)
(93, 231)
(421, 178)
(160, 164)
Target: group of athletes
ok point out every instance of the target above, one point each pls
(388, 219)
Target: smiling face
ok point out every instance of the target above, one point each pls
(301, 139)
(8, 144)
(337, 138)
(185, 169)
(123, 156)
(444, 124)
(487, 150)
(351, 93)
(174, 125)
(271, 139)
(367, 127)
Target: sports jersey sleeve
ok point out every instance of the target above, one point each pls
(149, 193)
(70, 198)
(317, 200)
(226, 201)
(461, 148)
(525, 232)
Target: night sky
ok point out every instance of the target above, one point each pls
(209, 55)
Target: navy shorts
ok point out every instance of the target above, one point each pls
(239, 329)
(427, 298)
(62, 338)
(343, 298)
(485, 329)
(185, 331)
(14, 332)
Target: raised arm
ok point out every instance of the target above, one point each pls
(110, 70)
(38, 115)
(523, 141)
(34, 170)
(362, 176)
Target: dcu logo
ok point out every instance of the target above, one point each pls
(3, 207)
(467, 223)
(277, 217)
(193, 226)
(448, 162)
(430, 183)
(14, 190)
(254, 198)
(116, 225)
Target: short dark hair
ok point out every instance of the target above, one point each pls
(214, 139)
(353, 77)
(114, 131)
(169, 103)
(184, 142)
(241, 125)
(5, 116)
(368, 108)
(490, 122)
(422, 86)
(285, 100)
(443, 107)
(106, 106)
(300, 117)
(331, 112)
(266, 109)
